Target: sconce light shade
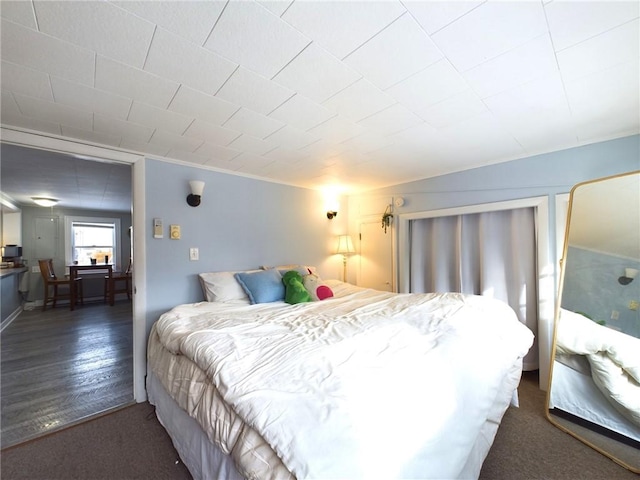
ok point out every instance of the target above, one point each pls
(44, 201)
(193, 199)
(629, 275)
(331, 214)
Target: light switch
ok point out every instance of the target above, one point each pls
(174, 232)
(193, 254)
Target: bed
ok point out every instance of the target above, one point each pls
(361, 384)
(596, 374)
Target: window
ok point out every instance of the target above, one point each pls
(90, 238)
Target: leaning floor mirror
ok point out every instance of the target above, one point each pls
(594, 389)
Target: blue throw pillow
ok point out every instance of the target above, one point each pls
(262, 287)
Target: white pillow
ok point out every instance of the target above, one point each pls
(223, 287)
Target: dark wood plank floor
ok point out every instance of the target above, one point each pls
(59, 367)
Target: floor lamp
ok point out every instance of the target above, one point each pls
(345, 247)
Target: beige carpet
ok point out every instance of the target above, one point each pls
(131, 444)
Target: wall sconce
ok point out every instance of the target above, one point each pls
(345, 247)
(331, 214)
(629, 275)
(193, 199)
(44, 201)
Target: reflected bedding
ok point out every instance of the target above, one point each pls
(609, 356)
(365, 384)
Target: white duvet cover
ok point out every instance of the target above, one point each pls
(614, 359)
(366, 384)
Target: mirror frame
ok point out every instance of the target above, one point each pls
(555, 325)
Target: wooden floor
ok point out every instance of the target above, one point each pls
(59, 367)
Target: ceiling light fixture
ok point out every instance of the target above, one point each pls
(44, 201)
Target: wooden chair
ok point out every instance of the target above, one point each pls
(52, 283)
(121, 282)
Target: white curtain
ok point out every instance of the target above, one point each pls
(491, 254)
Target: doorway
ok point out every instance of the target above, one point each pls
(60, 367)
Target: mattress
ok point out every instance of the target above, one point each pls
(366, 384)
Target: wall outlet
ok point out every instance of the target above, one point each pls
(193, 254)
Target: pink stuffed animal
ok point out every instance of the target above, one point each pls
(317, 289)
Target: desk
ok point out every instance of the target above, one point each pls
(99, 267)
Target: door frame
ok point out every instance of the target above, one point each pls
(90, 152)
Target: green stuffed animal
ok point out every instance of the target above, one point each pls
(294, 288)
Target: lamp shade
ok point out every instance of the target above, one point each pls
(345, 245)
(197, 187)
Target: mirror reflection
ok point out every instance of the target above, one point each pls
(594, 391)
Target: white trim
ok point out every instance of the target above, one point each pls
(546, 270)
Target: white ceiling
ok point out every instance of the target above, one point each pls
(346, 94)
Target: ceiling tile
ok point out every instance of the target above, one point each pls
(126, 130)
(574, 22)
(359, 100)
(146, 148)
(89, 99)
(254, 92)
(432, 85)
(605, 92)
(453, 110)
(54, 112)
(285, 155)
(541, 94)
(277, 7)
(619, 45)
(99, 26)
(134, 83)
(11, 115)
(493, 28)
(396, 53)
(302, 113)
(91, 136)
(194, 104)
(188, 156)
(340, 27)
(177, 59)
(267, 43)
(252, 145)
(216, 153)
(211, 133)
(337, 129)
(174, 141)
(252, 123)
(434, 15)
(606, 125)
(391, 120)
(531, 60)
(26, 81)
(316, 74)
(19, 12)
(248, 162)
(367, 142)
(292, 138)
(27, 47)
(192, 20)
(158, 118)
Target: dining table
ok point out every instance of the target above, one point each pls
(90, 268)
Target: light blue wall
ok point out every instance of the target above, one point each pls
(242, 223)
(540, 175)
(591, 286)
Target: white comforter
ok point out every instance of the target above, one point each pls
(614, 359)
(367, 384)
